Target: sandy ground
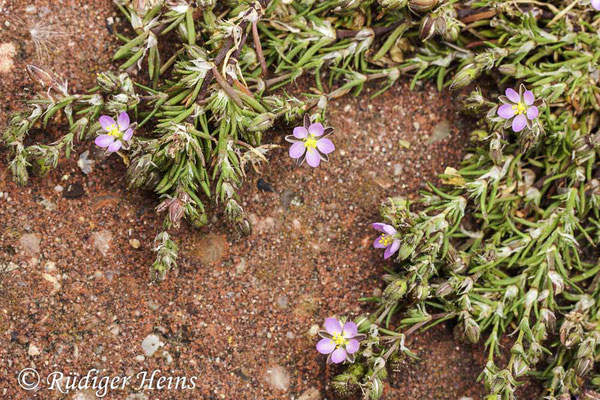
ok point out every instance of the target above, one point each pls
(75, 293)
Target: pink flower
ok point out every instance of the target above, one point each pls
(387, 240)
(339, 343)
(309, 142)
(118, 132)
(596, 4)
(518, 109)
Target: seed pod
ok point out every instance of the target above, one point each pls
(444, 289)
(472, 330)
(427, 29)
(422, 5)
(394, 291)
(584, 365)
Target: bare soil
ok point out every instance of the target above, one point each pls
(237, 306)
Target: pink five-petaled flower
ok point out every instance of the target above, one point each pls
(596, 4)
(310, 139)
(386, 240)
(118, 132)
(518, 109)
(339, 343)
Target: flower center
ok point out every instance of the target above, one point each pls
(519, 108)
(310, 143)
(339, 340)
(114, 131)
(385, 240)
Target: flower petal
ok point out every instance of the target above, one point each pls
(532, 112)
(325, 346)
(378, 226)
(519, 123)
(506, 111)
(338, 356)
(107, 123)
(389, 230)
(123, 121)
(512, 95)
(115, 146)
(128, 134)
(312, 158)
(325, 146)
(596, 4)
(528, 97)
(391, 249)
(297, 149)
(350, 330)
(352, 346)
(316, 129)
(104, 140)
(300, 132)
(378, 245)
(332, 326)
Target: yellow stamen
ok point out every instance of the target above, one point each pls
(385, 240)
(114, 131)
(310, 143)
(339, 340)
(520, 108)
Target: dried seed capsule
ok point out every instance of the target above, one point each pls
(422, 5)
(427, 29)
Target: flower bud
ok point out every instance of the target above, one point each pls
(465, 76)
(508, 69)
(394, 291)
(261, 122)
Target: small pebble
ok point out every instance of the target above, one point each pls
(30, 243)
(74, 191)
(151, 344)
(33, 350)
(102, 241)
(310, 394)
(278, 378)
(134, 243)
(282, 301)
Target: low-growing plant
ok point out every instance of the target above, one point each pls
(506, 246)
